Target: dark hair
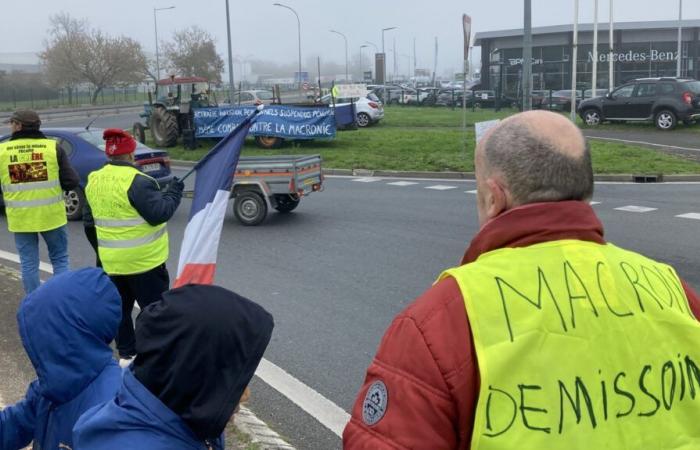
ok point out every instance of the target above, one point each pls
(534, 169)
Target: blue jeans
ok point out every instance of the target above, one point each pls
(28, 249)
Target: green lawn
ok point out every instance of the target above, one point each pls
(430, 139)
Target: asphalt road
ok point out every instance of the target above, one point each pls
(336, 271)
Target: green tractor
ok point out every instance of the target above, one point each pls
(171, 114)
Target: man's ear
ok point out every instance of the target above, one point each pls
(499, 200)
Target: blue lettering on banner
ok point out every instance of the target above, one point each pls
(290, 122)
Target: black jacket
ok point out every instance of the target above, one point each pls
(154, 205)
(197, 350)
(67, 176)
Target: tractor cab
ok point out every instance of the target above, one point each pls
(170, 115)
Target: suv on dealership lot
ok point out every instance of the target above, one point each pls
(664, 101)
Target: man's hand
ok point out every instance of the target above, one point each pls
(176, 186)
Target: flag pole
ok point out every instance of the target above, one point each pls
(245, 121)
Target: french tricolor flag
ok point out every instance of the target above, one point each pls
(212, 190)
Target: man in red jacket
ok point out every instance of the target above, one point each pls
(425, 388)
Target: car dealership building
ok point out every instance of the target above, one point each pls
(640, 50)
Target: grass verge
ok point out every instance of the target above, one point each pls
(431, 139)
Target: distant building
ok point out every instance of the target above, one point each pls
(640, 49)
(20, 62)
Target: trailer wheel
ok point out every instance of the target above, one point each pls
(268, 142)
(286, 203)
(249, 208)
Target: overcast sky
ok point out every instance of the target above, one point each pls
(262, 30)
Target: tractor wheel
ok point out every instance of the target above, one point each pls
(139, 132)
(164, 127)
(268, 142)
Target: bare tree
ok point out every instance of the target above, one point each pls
(74, 54)
(193, 53)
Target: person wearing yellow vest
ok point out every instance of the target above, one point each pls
(546, 336)
(34, 173)
(125, 216)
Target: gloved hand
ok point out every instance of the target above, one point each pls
(176, 186)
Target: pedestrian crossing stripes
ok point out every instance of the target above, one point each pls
(441, 187)
(402, 183)
(637, 209)
(367, 180)
(695, 216)
(446, 187)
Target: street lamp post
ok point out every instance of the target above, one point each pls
(383, 52)
(680, 38)
(346, 53)
(362, 66)
(230, 55)
(155, 26)
(298, 33)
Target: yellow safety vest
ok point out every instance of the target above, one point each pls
(127, 244)
(581, 346)
(30, 185)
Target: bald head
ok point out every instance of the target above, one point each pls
(539, 156)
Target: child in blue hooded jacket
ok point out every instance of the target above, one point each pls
(66, 326)
(196, 351)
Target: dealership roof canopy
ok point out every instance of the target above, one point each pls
(602, 26)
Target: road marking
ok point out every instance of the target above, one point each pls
(470, 192)
(626, 141)
(594, 203)
(44, 267)
(328, 413)
(367, 180)
(695, 216)
(441, 187)
(402, 183)
(638, 209)
(319, 407)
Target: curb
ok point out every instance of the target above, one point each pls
(259, 432)
(622, 178)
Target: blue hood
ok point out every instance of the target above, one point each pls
(66, 326)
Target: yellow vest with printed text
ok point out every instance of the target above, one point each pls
(127, 244)
(581, 346)
(30, 185)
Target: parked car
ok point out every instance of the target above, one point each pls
(429, 95)
(85, 150)
(665, 101)
(560, 100)
(588, 93)
(253, 97)
(451, 97)
(368, 110)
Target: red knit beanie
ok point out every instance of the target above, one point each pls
(118, 142)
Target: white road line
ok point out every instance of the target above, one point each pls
(627, 141)
(402, 183)
(328, 413)
(638, 209)
(594, 203)
(695, 216)
(470, 192)
(441, 187)
(367, 180)
(319, 407)
(44, 267)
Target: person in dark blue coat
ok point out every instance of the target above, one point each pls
(196, 351)
(66, 326)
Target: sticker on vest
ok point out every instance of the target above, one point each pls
(28, 172)
(375, 404)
